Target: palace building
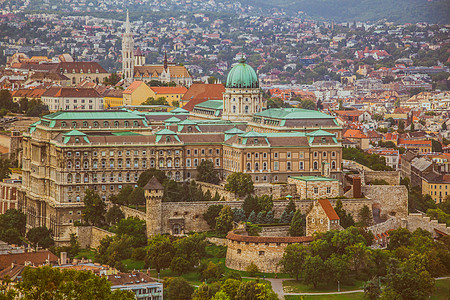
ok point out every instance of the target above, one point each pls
(68, 152)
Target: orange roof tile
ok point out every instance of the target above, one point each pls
(355, 133)
(329, 210)
(169, 90)
(133, 87)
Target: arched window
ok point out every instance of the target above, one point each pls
(127, 163)
(315, 165)
(333, 165)
(69, 178)
(86, 178)
(119, 163)
(128, 177)
(169, 163)
(256, 166)
(161, 163)
(74, 124)
(177, 176)
(136, 163)
(152, 163)
(246, 109)
(105, 124)
(144, 163)
(78, 178)
(119, 177)
(248, 166)
(103, 163)
(126, 123)
(85, 124)
(77, 164)
(111, 177)
(234, 108)
(69, 164)
(63, 124)
(168, 139)
(177, 163)
(116, 123)
(96, 124)
(86, 164)
(111, 163)
(264, 166)
(135, 123)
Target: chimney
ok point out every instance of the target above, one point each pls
(63, 258)
(356, 187)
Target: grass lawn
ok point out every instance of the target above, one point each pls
(85, 253)
(132, 264)
(441, 289)
(351, 296)
(293, 286)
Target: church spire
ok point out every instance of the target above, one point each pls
(165, 60)
(127, 24)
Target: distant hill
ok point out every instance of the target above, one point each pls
(398, 11)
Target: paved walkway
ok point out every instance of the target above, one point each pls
(277, 286)
(328, 293)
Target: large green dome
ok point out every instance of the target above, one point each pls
(242, 76)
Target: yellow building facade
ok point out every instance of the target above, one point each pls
(172, 94)
(438, 189)
(113, 98)
(136, 93)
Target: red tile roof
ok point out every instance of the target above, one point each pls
(329, 210)
(133, 87)
(199, 92)
(355, 133)
(169, 90)
(71, 92)
(36, 258)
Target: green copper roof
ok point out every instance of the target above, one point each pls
(313, 178)
(320, 132)
(125, 133)
(293, 113)
(165, 131)
(211, 104)
(234, 130)
(252, 134)
(242, 76)
(187, 122)
(92, 115)
(74, 133)
(179, 110)
(172, 120)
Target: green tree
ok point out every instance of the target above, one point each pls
(160, 252)
(290, 207)
(134, 228)
(250, 205)
(398, 238)
(94, 209)
(338, 268)
(114, 215)
(211, 214)
(212, 272)
(145, 176)
(231, 287)
(153, 101)
(53, 283)
(346, 220)
(314, 270)
(137, 197)
(365, 216)
(40, 237)
(308, 104)
(293, 259)
(297, 224)
(239, 215)
(252, 269)
(123, 196)
(401, 125)
(220, 295)
(224, 222)
(408, 280)
(192, 248)
(180, 265)
(12, 226)
(265, 203)
(372, 289)
(436, 146)
(240, 184)
(5, 171)
(112, 79)
(179, 289)
(207, 173)
(252, 290)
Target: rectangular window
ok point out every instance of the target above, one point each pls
(316, 190)
(275, 155)
(301, 165)
(328, 190)
(188, 162)
(301, 155)
(275, 166)
(288, 155)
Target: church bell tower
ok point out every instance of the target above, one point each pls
(128, 53)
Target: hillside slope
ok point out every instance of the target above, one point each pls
(398, 11)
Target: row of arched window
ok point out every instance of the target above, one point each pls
(96, 124)
(127, 163)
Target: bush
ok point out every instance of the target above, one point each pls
(252, 269)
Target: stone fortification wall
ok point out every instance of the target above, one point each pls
(90, 236)
(189, 215)
(354, 205)
(217, 241)
(264, 252)
(389, 200)
(276, 190)
(412, 222)
(275, 231)
(350, 164)
(391, 177)
(131, 212)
